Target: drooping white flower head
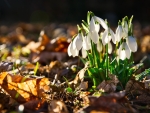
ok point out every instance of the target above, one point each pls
(110, 48)
(107, 36)
(86, 43)
(101, 22)
(119, 33)
(124, 51)
(113, 36)
(131, 41)
(71, 51)
(93, 31)
(77, 42)
(84, 53)
(125, 29)
(99, 46)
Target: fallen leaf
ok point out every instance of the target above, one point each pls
(80, 75)
(6, 66)
(23, 89)
(34, 104)
(109, 85)
(112, 103)
(57, 107)
(45, 57)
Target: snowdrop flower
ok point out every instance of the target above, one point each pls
(99, 46)
(84, 53)
(86, 43)
(132, 43)
(124, 51)
(101, 21)
(125, 29)
(119, 33)
(77, 42)
(107, 36)
(93, 31)
(72, 51)
(109, 48)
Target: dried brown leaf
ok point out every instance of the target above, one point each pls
(23, 89)
(45, 57)
(57, 107)
(109, 85)
(34, 104)
(110, 103)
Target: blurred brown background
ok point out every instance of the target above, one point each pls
(72, 10)
(58, 18)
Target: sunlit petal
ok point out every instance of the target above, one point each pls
(101, 21)
(125, 26)
(97, 27)
(69, 49)
(89, 38)
(127, 50)
(92, 25)
(122, 54)
(77, 42)
(74, 52)
(124, 51)
(131, 41)
(113, 36)
(99, 46)
(94, 37)
(84, 53)
(119, 33)
(85, 43)
(110, 48)
(105, 37)
(125, 29)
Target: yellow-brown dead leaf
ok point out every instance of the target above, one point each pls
(23, 89)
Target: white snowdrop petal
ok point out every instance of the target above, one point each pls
(74, 42)
(119, 33)
(69, 49)
(109, 48)
(85, 44)
(97, 27)
(105, 37)
(94, 37)
(127, 51)
(84, 53)
(122, 55)
(92, 24)
(99, 46)
(125, 26)
(124, 51)
(78, 42)
(131, 41)
(101, 21)
(121, 52)
(109, 38)
(74, 52)
(113, 36)
(89, 38)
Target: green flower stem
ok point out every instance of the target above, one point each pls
(97, 57)
(91, 75)
(107, 61)
(124, 73)
(94, 55)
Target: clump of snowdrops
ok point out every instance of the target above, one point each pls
(96, 47)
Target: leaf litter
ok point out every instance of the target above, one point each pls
(60, 84)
